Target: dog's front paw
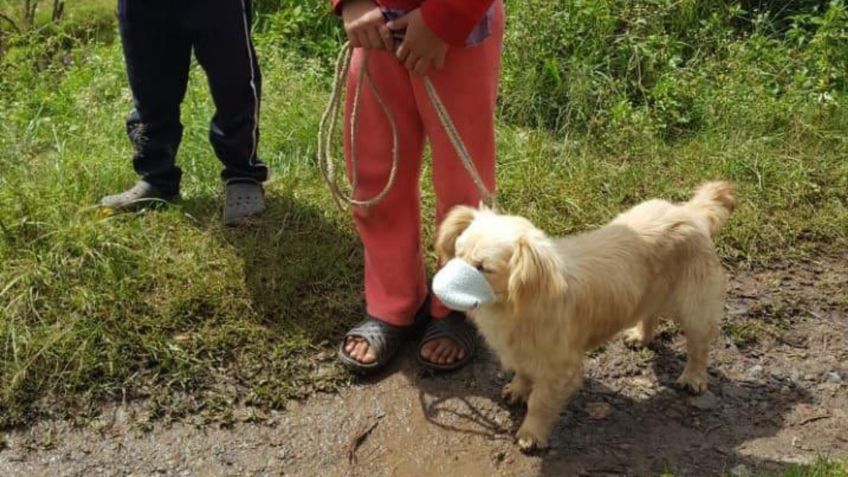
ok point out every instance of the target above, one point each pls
(529, 441)
(514, 393)
(694, 382)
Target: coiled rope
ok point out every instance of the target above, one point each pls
(329, 123)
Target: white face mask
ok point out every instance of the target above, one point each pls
(462, 287)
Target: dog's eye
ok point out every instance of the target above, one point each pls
(481, 268)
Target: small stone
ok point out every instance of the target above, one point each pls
(722, 450)
(598, 410)
(735, 392)
(738, 308)
(704, 402)
(834, 377)
(740, 470)
(755, 372)
(829, 388)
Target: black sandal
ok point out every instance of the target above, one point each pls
(384, 339)
(456, 327)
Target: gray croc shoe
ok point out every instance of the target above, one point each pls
(142, 194)
(243, 200)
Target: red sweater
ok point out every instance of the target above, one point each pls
(452, 20)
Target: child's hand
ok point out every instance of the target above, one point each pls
(420, 48)
(365, 25)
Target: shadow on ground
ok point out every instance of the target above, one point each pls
(301, 269)
(613, 428)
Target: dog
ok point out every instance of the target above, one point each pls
(556, 299)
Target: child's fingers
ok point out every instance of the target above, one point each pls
(386, 35)
(374, 40)
(421, 66)
(411, 60)
(353, 38)
(402, 52)
(439, 61)
(399, 23)
(363, 39)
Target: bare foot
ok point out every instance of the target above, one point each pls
(442, 351)
(359, 350)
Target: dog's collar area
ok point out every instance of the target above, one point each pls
(462, 287)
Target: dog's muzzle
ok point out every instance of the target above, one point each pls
(462, 287)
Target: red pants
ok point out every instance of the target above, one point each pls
(395, 277)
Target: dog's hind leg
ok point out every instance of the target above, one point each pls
(643, 332)
(700, 317)
(517, 390)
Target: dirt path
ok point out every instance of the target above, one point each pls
(778, 395)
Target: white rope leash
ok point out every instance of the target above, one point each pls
(329, 121)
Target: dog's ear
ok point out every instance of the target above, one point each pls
(535, 274)
(457, 220)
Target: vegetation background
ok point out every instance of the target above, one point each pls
(603, 104)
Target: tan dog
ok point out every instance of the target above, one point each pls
(557, 299)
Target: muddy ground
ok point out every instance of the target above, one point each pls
(778, 395)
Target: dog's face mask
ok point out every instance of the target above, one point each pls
(491, 258)
(462, 287)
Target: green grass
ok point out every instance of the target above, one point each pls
(761, 322)
(169, 304)
(157, 303)
(821, 467)
(86, 19)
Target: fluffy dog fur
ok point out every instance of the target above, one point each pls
(558, 298)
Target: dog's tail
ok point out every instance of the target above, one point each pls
(713, 202)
